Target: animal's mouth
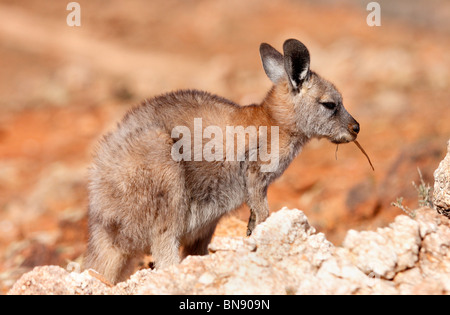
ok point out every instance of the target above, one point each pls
(353, 139)
(340, 141)
(343, 139)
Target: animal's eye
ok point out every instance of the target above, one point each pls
(329, 105)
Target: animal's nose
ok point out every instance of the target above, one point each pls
(355, 128)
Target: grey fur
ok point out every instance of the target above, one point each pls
(143, 201)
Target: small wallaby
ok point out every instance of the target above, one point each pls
(149, 194)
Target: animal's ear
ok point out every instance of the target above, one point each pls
(296, 62)
(273, 62)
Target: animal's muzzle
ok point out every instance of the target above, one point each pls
(354, 128)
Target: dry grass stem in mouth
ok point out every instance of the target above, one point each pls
(335, 153)
(364, 152)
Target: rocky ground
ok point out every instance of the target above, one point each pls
(286, 255)
(61, 88)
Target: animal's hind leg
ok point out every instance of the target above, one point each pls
(167, 204)
(107, 259)
(165, 251)
(168, 208)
